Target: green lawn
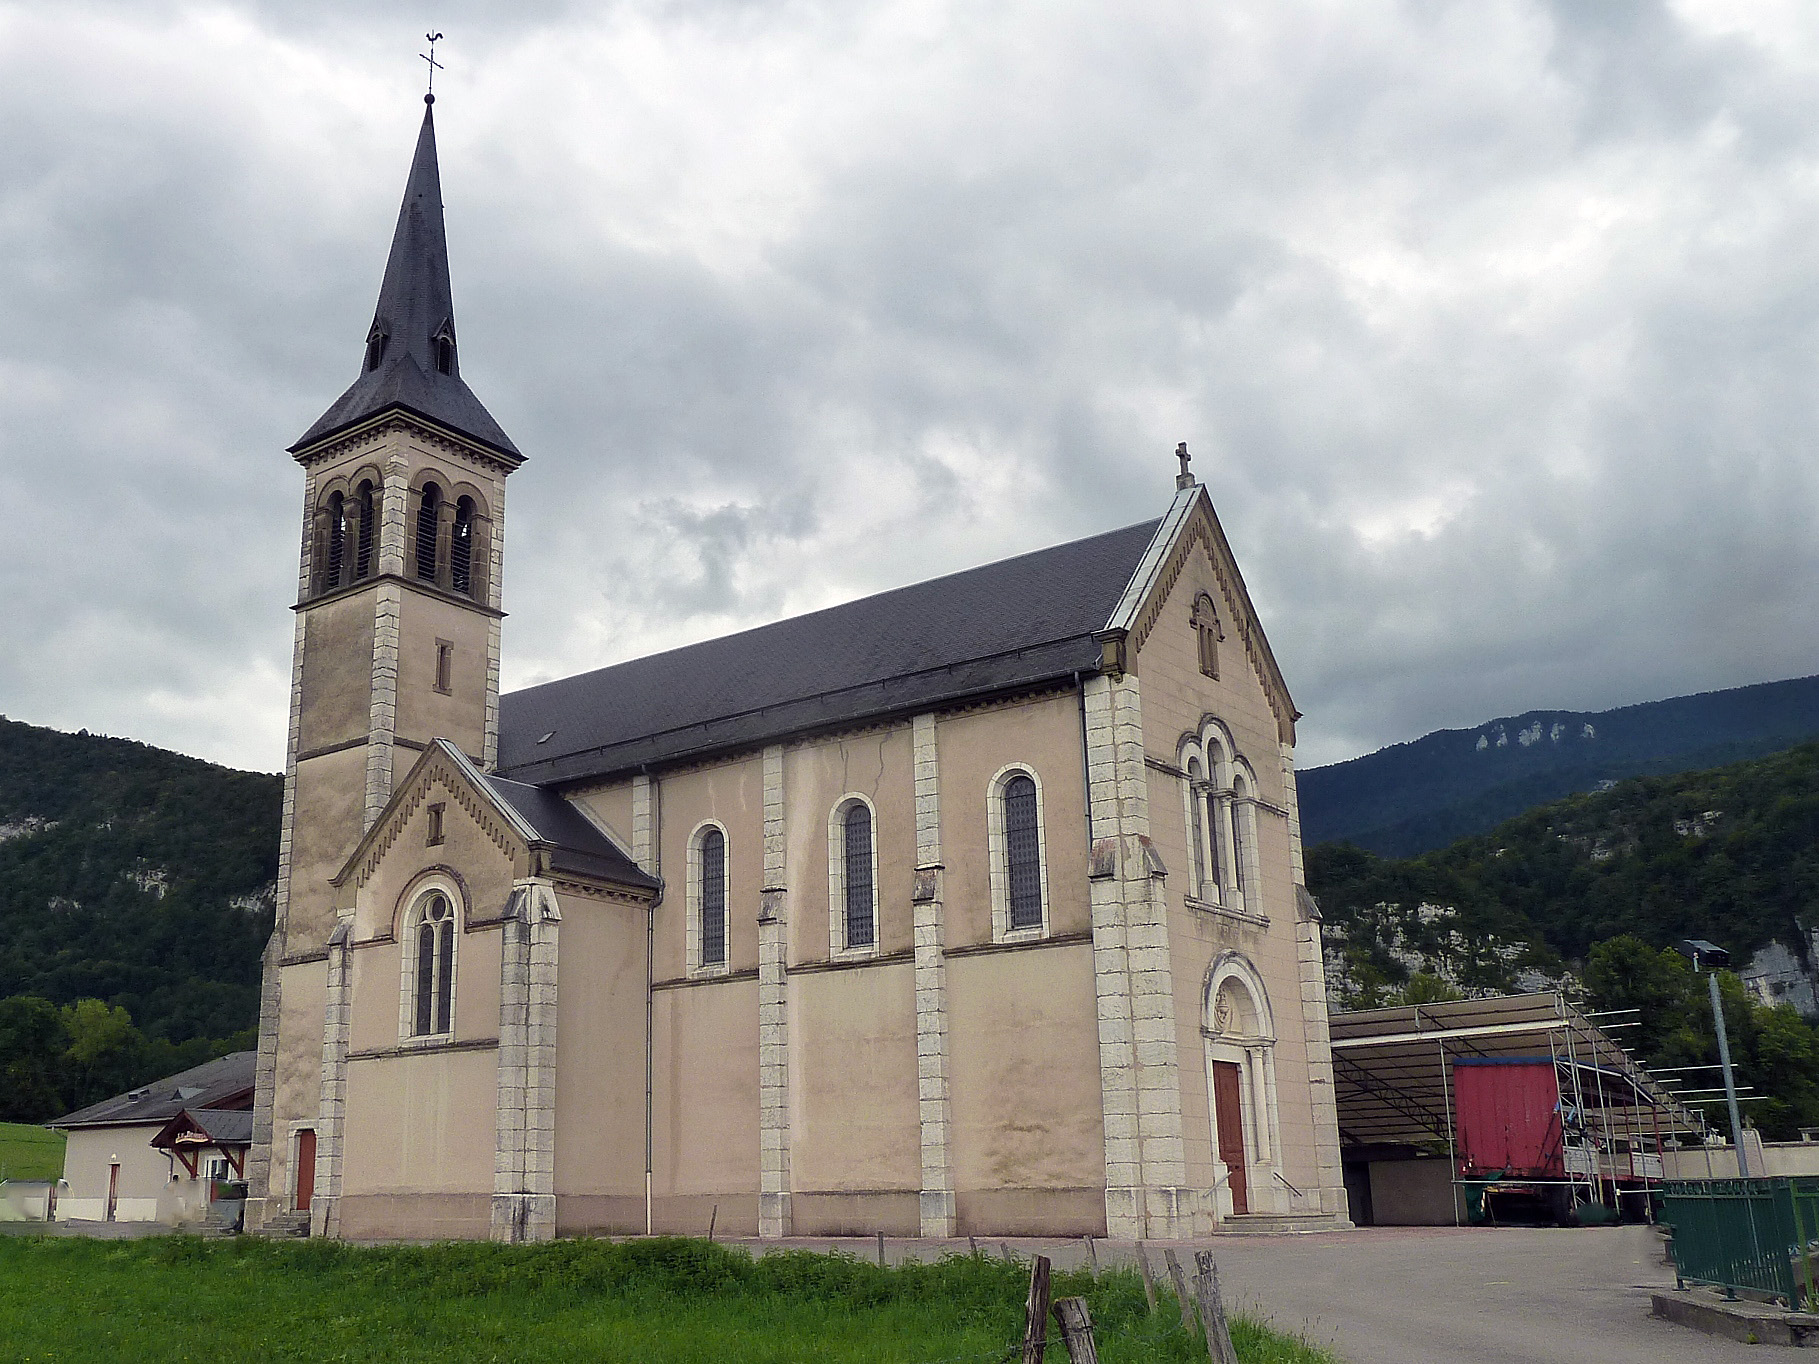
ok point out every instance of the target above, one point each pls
(66, 1299)
(28, 1152)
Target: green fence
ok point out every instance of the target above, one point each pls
(1745, 1235)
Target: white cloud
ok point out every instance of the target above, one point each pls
(1491, 325)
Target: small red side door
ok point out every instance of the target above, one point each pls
(1228, 1111)
(306, 1168)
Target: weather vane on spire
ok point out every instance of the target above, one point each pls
(434, 66)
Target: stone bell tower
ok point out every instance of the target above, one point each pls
(397, 641)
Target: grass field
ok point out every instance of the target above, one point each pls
(65, 1299)
(28, 1152)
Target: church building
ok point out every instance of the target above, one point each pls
(973, 907)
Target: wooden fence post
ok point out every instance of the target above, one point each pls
(712, 1220)
(1212, 1311)
(1035, 1318)
(881, 1250)
(1185, 1298)
(1077, 1330)
(1149, 1277)
(1092, 1255)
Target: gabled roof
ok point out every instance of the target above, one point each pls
(222, 1127)
(416, 303)
(1008, 625)
(543, 821)
(225, 1081)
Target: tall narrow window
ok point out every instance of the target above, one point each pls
(1023, 852)
(435, 966)
(1240, 834)
(445, 666)
(337, 541)
(861, 923)
(461, 547)
(365, 510)
(713, 898)
(1215, 870)
(1196, 827)
(427, 512)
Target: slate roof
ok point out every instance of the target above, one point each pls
(223, 1080)
(415, 301)
(1007, 625)
(575, 843)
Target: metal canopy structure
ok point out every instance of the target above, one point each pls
(1392, 1068)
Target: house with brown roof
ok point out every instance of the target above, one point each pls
(154, 1153)
(973, 907)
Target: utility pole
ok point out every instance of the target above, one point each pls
(1704, 953)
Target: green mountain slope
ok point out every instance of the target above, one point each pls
(134, 876)
(1730, 854)
(1415, 797)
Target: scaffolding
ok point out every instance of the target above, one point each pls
(1393, 1077)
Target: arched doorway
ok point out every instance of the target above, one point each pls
(1240, 1039)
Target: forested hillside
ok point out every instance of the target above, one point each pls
(135, 900)
(1415, 797)
(1605, 884)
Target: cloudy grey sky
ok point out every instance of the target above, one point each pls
(1493, 326)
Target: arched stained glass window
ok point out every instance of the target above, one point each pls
(861, 923)
(713, 898)
(1022, 852)
(435, 966)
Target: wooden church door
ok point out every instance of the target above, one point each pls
(1228, 1112)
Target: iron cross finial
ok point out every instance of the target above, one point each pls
(434, 65)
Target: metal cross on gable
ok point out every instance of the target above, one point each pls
(430, 57)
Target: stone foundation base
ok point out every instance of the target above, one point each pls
(523, 1217)
(937, 1213)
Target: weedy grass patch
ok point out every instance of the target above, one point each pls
(662, 1301)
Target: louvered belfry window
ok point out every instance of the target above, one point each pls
(861, 930)
(461, 548)
(713, 898)
(1022, 852)
(363, 557)
(337, 541)
(435, 966)
(426, 531)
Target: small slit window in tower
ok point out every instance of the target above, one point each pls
(427, 511)
(1206, 624)
(445, 666)
(363, 555)
(461, 548)
(1023, 852)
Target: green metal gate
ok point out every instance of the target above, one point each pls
(1745, 1235)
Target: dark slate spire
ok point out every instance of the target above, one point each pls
(412, 360)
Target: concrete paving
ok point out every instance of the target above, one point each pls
(1422, 1295)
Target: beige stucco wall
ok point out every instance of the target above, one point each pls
(1028, 1117)
(423, 712)
(421, 1123)
(600, 1065)
(731, 793)
(144, 1173)
(337, 672)
(817, 776)
(853, 1121)
(330, 808)
(706, 1112)
(1176, 695)
(484, 868)
(1044, 735)
(297, 1094)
